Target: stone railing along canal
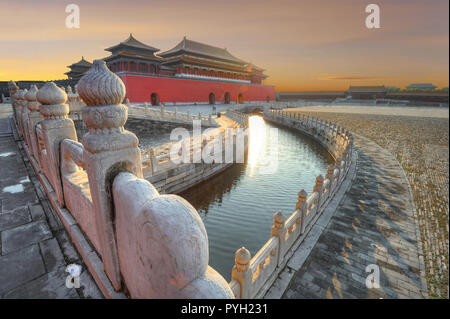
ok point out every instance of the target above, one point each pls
(252, 277)
(142, 111)
(120, 223)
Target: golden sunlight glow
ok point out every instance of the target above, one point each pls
(256, 141)
(314, 45)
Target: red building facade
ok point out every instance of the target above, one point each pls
(189, 72)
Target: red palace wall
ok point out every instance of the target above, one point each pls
(139, 89)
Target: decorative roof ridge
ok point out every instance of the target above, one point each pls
(184, 46)
(133, 42)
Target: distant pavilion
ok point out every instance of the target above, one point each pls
(78, 69)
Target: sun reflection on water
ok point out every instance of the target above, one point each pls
(257, 141)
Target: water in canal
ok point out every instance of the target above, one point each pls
(237, 206)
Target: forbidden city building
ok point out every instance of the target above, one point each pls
(78, 69)
(189, 72)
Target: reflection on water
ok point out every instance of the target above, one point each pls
(257, 140)
(237, 206)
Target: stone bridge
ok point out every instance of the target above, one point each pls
(144, 113)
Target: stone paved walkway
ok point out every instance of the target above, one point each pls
(374, 224)
(34, 247)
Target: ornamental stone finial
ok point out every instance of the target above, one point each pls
(278, 219)
(69, 90)
(51, 94)
(330, 171)
(12, 86)
(278, 224)
(103, 91)
(319, 184)
(302, 195)
(53, 101)
(17, 94)
(99, 86)
(33, 104)
(301, 200)
(22, 94)
(242, 259)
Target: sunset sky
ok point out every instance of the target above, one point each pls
(303, 45)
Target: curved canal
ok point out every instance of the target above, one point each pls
(237, 206)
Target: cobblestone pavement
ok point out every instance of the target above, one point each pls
(375, 224)
(421, 145)
(34, 247)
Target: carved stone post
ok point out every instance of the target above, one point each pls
(16, 107)
(21, 104)
(56, 126)
(279, 231)
(350, 146)
(25, 112)
(108, 150)
(146, 108)
(338, 136)
(300, 207)
(241, 272)
(346, 160)
(175, 112)
(34, 117)
(161, 107)
(13, 88)
(330, 171)
(153, 160)
(30, 105)
(338, 166)
(318, 188)
(188, 115)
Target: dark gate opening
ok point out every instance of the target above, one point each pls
(226, 99)
(154, 99)
(212, 98)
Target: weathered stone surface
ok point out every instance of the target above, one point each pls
(37, 212)
(144, 228)
(20, 267)
(88, 288)
(32, 264)
(67, 247)
(15, 218)
(51, 285)
(25, 235)
(374, 224)
(51, 252)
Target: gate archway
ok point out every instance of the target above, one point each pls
(154, 99)
(240, 98)
(212, 98)
(226, 98)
